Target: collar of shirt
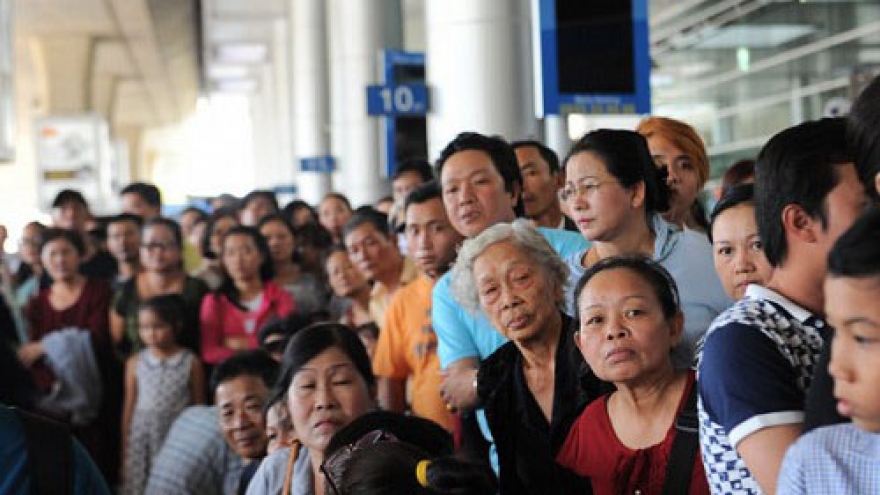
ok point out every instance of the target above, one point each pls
(755, 291)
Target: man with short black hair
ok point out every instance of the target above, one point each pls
(759, 356)
(124, 244)
(141, 199)
(375, 254)
(71, 211)
(407, 346)
(542, 180)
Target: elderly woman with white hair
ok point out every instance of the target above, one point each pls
(533, 387)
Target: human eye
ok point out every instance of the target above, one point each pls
(724, 251)
(685, 165)
(633, 312)
(592, 321)
(757, 245)
(488, 291)
(450, 189)
(864, 340)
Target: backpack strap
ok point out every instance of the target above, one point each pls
(50, 455)
(684, 448)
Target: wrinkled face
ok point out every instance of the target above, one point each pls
(683, 179)
(154, 331)
(160, 251)
(29, 246)
(540, 186)
(843, 204)
(332, 214)
(738, 251)
(473, 193)
(70, 215)
(345, 279)
(135, 204)
(600, 206)
(852, 309)
(60, 259)
(515, 292)
(325, 395)
(123, 241)
(374, 254)
(279, 428)
(404, 185)
(430, 237)
(280, 241)
(241, 257)
(256, 209)
(623, 334)
(240, 402)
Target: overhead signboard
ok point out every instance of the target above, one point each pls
(397, 99)
(322, 164)
(591, 57)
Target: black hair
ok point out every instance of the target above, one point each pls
(69, 196)
(315, 339)
(313, 234)
(287, 327)
(733, 196)
(863, 128)
(209, 231)
(546, 153)
(285, 222)
(797, 166)
(256, 362)
(260, 193)
(856, 253)
(389, 468)
(73, 237)
(148, 192)
(367, 216)
(267, 270)
(737, 173)
(422, 194)
(661, 282)
(194, 209)
(170, 308)
(126, 217)
(169, 224)
(338, 196)
(627, 158)
(297, 204)
(500, 154)
(414, 165)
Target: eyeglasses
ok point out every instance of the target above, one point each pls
(334, 466)
(162, 246)
(588, 189)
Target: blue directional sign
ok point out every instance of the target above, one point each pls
(397, 99)
(592, 57)
(318, 164)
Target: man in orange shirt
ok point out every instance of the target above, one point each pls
(407, 345)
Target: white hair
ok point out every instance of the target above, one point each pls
(519, 233)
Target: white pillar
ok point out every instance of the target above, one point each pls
(556, 135)
(309, 92)
(358, 30)
(479, 61)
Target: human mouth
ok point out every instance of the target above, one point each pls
(618, 355)
(519, 322)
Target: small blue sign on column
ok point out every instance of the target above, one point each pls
(323, 164)
(397, 99)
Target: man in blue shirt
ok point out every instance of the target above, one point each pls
(15, 470)
(759, 355)
(481, 186)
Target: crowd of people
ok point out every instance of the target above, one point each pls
(507, 322)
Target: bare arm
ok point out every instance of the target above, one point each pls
(458, 388)
(117, 327)
(197, 382)
(129, 402)
(392, 394)
(763, 451)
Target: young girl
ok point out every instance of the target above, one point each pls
(160, 382)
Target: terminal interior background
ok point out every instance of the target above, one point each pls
(210, 96)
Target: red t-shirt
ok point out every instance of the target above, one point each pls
(592, 449)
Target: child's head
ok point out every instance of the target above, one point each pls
(160, 321)
(279, 425)
(852, 292)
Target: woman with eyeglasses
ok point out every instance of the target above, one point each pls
(329, 383)
(617, 198)
(232, 316)
(162, 273)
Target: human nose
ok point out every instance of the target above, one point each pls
(614, 328)
(838, 366)
(241, 419)
(742, 262)
(324, 397)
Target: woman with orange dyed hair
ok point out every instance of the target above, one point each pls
(678, 148)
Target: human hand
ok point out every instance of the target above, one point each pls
(457, 388)
(28, 354)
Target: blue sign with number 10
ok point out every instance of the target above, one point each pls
(398, 99)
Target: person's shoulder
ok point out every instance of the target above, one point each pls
(564, 242)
